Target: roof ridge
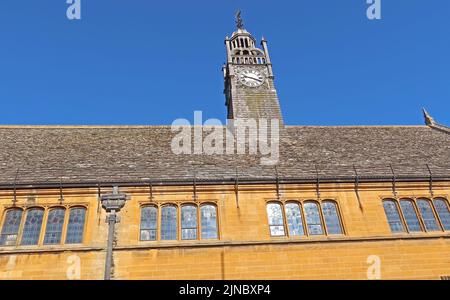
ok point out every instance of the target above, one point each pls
(169, 126)
(356, 126)
(82, 126)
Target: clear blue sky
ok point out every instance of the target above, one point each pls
(150, 62)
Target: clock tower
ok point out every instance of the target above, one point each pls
(249, 82)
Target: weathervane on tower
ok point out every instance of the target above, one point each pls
(239, 22)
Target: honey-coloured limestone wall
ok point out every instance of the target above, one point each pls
(245, 249)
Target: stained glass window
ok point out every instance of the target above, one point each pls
(209, 221)
(393, 216)
(11, 227)
(409, 212)
(149, 215)
(428, 216)
(189, 222)
(313, 221)
(294, 219)
(75, 229)
(55, 222)
(443, 211)
(275, 215)
(32, 228)
(169, 223)
(331, 216)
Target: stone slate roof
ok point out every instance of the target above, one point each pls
(50, 154)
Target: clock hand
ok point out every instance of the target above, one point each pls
(253, 78)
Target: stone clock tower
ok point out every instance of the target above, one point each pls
(249, 81)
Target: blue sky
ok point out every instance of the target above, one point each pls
(150, 62)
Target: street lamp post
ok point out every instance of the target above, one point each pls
(112, 203)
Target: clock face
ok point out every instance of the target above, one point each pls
(251, 78)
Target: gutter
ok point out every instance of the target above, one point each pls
(228, 181)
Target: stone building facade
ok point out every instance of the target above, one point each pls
(357, 202)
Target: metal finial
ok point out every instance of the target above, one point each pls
(239, 22)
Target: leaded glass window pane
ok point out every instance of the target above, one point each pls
(409, 212)
(275, 215)
(169, 223)
(331, 216)
(294, 219)
(428, 217)
(313, 220)
(55, 222)
(189, 222)
(149, 216)
(209, 222)
(11, 227)
(75, 229)
(32, 228)
(393, 216)
(441, 206)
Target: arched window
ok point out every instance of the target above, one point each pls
(55, 222)
(149, 217)
(11, 226)
(410, 214)
(393, 216)
(294, 219)
(189, 222)
(443, 211)
(209, 221)
(32, 228)
(428, 216)
(275, 215)
(313, 221)
(331, 216)
(75, 228)
(169, 222)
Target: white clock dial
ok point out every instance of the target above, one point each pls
(251, 78)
